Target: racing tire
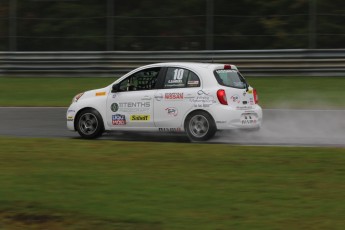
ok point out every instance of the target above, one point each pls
(89, 124)
(200, 126)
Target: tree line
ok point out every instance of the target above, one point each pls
(82, 25)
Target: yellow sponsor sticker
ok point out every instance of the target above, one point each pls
(139, 117)
(100, 94)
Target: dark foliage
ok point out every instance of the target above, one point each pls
(48, 25)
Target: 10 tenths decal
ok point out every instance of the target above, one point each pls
(129, 107)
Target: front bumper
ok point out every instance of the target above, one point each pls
(70, 116)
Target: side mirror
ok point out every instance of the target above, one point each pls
(115, 88)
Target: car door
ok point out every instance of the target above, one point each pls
(131, 106)
(174, 100)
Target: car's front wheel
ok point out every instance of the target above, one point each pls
(89, 124)
(200, 126)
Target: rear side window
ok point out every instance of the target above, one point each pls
(230, 78)
(180, 78)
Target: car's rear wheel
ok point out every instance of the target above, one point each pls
(89, 124)
(200, 126)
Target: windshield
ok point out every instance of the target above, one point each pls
(230, 78)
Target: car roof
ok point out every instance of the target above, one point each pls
(193, 65)
(198, 66)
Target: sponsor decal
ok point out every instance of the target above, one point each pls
(220, 122)
(70, 118)
(169, 129)
(176, 85)
(251, 101)
(226, 71)
(201, 92)
(193, 83)
(173, 96)
(133, 107)
(172, 111)
(114, 107)
(139, 117)
(71, 111)
(235, 98)
(174, 81)
(248, 122)
(100, 94)
(244, 93)
(203, 100)
(114, 95)
(244, 107)
(118, 119)
(138, 104)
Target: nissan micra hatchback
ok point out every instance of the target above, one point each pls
(195, 98)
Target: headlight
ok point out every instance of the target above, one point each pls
(76, 98)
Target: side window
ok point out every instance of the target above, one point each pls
(142, 80)
(180, 78)
(230, 78)
(193, 80)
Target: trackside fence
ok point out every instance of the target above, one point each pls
(296, 62)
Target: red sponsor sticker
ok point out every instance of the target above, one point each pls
(173, 96)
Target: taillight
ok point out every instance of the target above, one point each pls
(256, 96)
(222, 97)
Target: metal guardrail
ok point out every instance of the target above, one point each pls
(110, 64)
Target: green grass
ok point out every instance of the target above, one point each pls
(274, 92)
(46, 91)
(300, 92)
(76, 184)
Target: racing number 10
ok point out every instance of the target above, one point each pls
(178, 74)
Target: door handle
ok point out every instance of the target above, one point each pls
(159, 97)
(147, 98)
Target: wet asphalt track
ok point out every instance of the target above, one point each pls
(280, 127)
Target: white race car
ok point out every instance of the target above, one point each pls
(195, 98)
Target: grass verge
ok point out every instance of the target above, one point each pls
(76, 184)
(274, 92)
(300, 92)
(46, 91)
